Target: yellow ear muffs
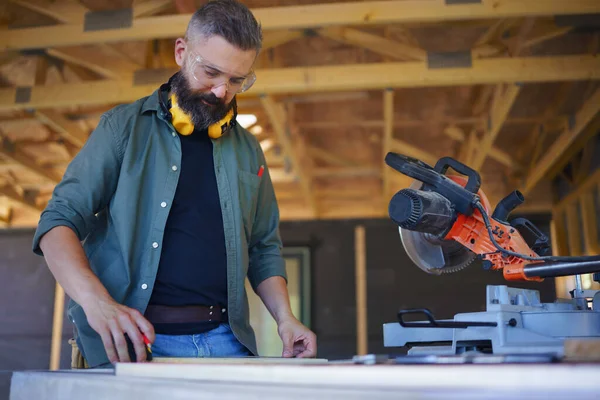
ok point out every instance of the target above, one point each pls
(218, 129)
(180, 120)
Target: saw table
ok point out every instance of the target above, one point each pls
(331, 380)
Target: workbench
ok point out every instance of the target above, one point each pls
(226, 379)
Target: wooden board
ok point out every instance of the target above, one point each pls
(239, 360)
(390, 377)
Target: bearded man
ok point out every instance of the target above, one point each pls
(168, 208)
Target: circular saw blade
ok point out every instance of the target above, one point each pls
(433, 255)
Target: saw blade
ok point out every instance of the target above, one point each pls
(433, 255)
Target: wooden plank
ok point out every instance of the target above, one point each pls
(331, 78)
(151, 7)
(589, 218)
(360, 272)
(68, 129)
(569, 135)
(330, 157)
(95, 58)
(277, 117)
(239, 360)
(57, 327)
(498, 115)
(375, 43)
(402, 147)
(495, 153)
(16, 197)
(66, 12)
(388, 136)
(10, 151)
(379, 378)
(582, 350)
(302, 17)
(277, 38)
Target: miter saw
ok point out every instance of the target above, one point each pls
(445, 225)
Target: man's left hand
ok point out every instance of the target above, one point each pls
(298, 340)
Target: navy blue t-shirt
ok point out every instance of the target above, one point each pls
(193, 262)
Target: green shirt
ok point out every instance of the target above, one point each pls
(116, 195)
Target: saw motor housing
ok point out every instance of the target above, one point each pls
(442, 230)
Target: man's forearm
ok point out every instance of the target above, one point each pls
(274, 294)
(69, 265)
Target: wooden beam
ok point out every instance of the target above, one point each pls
(68, 129)
(302, 17)
(150, 7)
(330, 78)
(277, 116)
(95, 58)
(497, 154)
(10, 151)
(377, 44)
(57, 327)
(388, 137)
(330, 157)
(13, 195)
(589, 184)
(589, 218)
(407, 149)
(66, 12)
(277, 38)
(569, 135)
(498, 115)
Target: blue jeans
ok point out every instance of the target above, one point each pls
(219, 342)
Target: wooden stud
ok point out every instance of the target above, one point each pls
(388, 136)
(360, 248)
(589, 218)
(57, 327)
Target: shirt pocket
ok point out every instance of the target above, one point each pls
(249, 184)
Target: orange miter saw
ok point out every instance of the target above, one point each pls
(445, 225)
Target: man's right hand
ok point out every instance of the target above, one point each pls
(112, 321)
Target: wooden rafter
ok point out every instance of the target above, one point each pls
(277, 116)
(301, 17)
(330, 157)
(455, 133)
(11, 151)
(498, 114)
(99, 59)
(569, 135)
(408, 149)
(15, 196)
(70, 130)
(378, 44)
(331, 78)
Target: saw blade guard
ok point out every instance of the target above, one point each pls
(436, 255)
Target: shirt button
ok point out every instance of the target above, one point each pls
(155, 245)
(163, 204)
(174, 134)
(144, 286)
(174, 167)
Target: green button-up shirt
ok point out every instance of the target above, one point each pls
(116, 195)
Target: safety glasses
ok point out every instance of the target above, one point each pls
(213, 76)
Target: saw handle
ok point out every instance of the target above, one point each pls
(433, 323)
(474, 182)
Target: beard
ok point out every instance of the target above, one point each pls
(202, 115)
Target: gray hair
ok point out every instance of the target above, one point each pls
(229, 19)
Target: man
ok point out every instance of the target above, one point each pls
(176, 208)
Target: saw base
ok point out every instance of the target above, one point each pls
(525, 327)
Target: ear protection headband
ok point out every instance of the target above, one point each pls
(182, 122)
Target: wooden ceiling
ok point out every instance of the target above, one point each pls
(505, 85)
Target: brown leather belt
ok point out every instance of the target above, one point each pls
(185, 314)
